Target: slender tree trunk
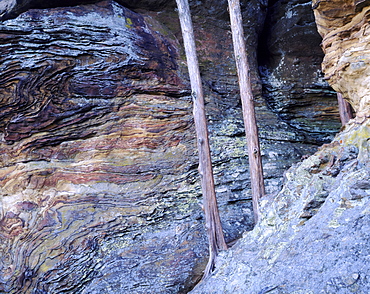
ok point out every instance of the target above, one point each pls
(213, 223)
(345, 109)
(251, 131)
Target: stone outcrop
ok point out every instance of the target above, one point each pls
(313, 236)
(346, 36)
(12, 8)
(290, 61)
(99, 191)
(96, 125)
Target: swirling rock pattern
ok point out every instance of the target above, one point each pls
(346, 37)
(99, 190)
(90, 146)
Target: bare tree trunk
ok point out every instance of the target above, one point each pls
(213, 223)
(345, 109)
(251, 131)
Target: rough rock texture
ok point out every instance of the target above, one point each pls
(12, 8)
(97, 159)
(290, 60)
(99, 190)
(346, 35)
(314, 235)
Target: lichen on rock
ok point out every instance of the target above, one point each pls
(99, 188)
(313, 236)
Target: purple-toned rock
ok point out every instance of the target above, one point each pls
(99, 189)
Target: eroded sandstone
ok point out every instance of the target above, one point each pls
(98, 168)
(345, 33)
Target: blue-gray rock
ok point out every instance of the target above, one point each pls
(99, 188)
(314, 236)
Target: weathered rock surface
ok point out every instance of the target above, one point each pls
(314, 236)
(12, 8)
(346, 35)
(99, 190)
(290, 61)
(96, 153)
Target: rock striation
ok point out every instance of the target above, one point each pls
(313, 236)
(95, 128)
(290, 60)
(99, 191)
(345, 42)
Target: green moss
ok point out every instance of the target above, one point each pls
(128, 23)
(357, 137)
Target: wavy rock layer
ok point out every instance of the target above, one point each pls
(99, 190)
(346, 35)
(90, 147)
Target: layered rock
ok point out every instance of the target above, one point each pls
(314, 235)
(290, 62)
(346, 36)
(99, 185)
(12, 8)
(95, 128)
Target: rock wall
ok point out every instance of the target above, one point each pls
(96, 155)
(346, 37)
(99, 191)
(290, 61)
(313, 236)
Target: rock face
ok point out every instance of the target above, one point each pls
(95, 128)
(99, 191)
(346, 37)
(290, 60)
(314, 236)
(12, 8)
